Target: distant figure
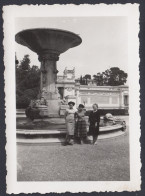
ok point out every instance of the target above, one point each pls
(70, 123)
(94, 120)
(81, 128)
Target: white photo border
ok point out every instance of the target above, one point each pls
(132, 12)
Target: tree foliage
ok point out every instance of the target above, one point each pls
(84, 80)
(110, 77)
(87, 76)
(27, 82)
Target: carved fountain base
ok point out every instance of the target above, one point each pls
(53, 108)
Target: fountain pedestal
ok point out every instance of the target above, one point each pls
(48, 82)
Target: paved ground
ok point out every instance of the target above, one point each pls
(107, 161)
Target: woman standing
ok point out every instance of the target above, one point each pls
(70, 123)
(94, 119)
(81, 129)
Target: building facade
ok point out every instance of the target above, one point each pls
(107, 97)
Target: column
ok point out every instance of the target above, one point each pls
(110, 99)
(88, 100)
(121, 97)
(77, 97)
(48, 81)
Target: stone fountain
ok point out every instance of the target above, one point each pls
(48, 44)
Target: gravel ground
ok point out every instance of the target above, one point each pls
(107, 161)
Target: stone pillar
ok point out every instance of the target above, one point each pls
(121, 97)
(122, 103)
(89, 101)
(110, 99)
(77, 97)
(48, 81)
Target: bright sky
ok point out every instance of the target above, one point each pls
(104, 42)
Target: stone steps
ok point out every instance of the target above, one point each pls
(21, 115)
(53, 141)
(20, 111)
(54, 132)
(63, 130)
(42, 132)
(58, 136)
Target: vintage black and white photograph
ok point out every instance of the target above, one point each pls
(72, 98)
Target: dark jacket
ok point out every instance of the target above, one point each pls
(93, 128)
(94, 117)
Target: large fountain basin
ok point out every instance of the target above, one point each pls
(53, 40)
(53, 130)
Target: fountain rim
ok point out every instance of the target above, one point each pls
(50, 29)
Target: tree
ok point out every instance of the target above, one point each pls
(87, 76)
(27, 82)
(98, 79)
(33, 78)
(22, 69)
(84, 80)
(111, 77)
(81, 79)
(25, 63)
(115, 76)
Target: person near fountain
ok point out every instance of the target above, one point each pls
(81, 129)
(94, 120)
(70, 123)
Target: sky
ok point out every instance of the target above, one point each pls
(104, 42)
